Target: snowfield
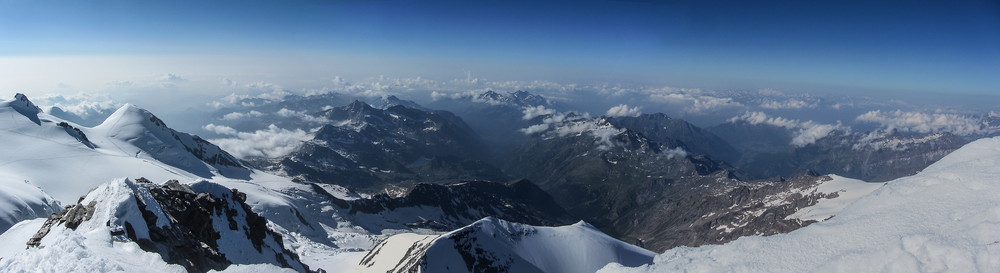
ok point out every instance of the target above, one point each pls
(944, 219)
(848, 190)
(66, 160)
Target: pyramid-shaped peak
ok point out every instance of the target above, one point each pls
(490, 94)
(358, 105)
(131, 114)
(21, 101)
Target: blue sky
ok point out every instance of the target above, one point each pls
(811, 46)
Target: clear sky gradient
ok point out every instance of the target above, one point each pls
(933, 46)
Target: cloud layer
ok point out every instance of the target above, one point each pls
(805, 132)
(623, 110)
(273, 142)
(918, 122)
(566, 124)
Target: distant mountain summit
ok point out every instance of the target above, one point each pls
(518, 98)
(151, 135)
(496, 117)
(364, 147)
(666, 130)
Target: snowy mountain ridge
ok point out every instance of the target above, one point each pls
(494, 245)
(200, 227)
(45, 150)
(518, 98)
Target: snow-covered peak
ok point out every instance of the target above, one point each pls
(151, 137)
(518, 98)
(22, 103)
(495, 245)
(129, 114)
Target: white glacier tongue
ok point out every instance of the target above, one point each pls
(944, 219)
(494, 245)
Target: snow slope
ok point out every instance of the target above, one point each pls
(847, 190)
(494, 245)
(944, 219)
(20, 200)
(48, 151)
(66, 161)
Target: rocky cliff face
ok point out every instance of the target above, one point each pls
(201, 227)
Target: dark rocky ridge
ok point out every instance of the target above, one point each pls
(686, 214)
(366, 148)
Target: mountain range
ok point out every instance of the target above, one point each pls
(400, 187)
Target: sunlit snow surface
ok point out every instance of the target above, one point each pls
(53, 158)
(40, 157)
(501, 244)
(944, 219)
(847, 191)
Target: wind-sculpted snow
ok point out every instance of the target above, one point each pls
(494, 245)
(944, 219)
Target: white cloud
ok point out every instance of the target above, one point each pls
(171, 77)
(534, 129)
(83, 105)
(811, 131)
(566, 124)
(675, 152)
(806, 132)
(695, 103)
(257, 90)
(770, 92)
(788, 104)
(239, 115)
(284, 112)
(229, 82)
(623, 110)
(927, 122)
(220, 129)
(531, 112)
(273, 142)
